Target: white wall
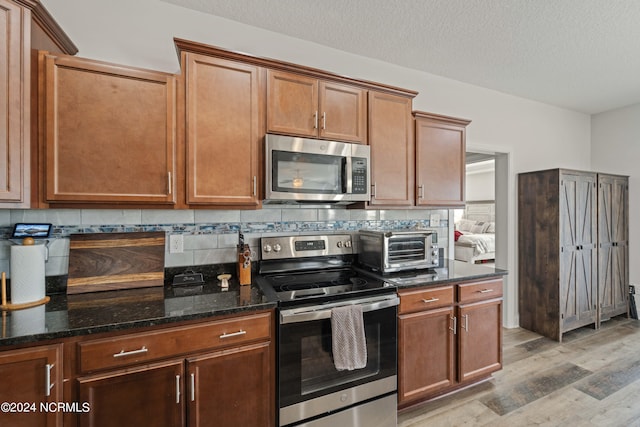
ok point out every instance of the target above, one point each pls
(480, 186)
(140, 33)
(616, 149)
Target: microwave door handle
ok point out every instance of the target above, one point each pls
(347, 174)
(293, 316)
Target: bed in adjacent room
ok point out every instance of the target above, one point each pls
(474, 235)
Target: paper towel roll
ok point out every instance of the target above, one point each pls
(28, 321)
(27, 274)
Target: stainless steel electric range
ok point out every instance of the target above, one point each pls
(309, 276)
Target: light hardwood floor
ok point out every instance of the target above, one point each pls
(590, 379)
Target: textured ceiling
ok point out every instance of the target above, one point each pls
(582, 55)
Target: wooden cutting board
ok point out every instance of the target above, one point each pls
(112, 261)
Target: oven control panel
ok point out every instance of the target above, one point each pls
(282, 247)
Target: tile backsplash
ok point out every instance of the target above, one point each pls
(210, 236)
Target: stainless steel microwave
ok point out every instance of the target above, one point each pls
(316, 170)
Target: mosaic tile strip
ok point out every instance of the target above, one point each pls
(248, 227)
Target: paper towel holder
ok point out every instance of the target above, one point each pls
(6, 305)
(35, 232)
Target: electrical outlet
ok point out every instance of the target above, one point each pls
(176, 244)
(434, 220)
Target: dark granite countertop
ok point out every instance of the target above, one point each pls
(92, 313)
(451, 271)
(97, 312)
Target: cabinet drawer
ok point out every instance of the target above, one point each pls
(476, 291)
(149, 346)
(425, 299)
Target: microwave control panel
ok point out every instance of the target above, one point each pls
(359, 175)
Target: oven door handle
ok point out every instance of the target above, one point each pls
(306, 314)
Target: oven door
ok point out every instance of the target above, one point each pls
(309, 383)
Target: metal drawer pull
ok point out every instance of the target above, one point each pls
(324, 120)
(466, 322)
(455, 324)
(484, 291)
(177, 388)
(233, 334)
(47, 379)
(132, 352)
(430, 300)
(193, 387)
(315, 119)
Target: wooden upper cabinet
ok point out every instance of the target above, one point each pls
(292, 104)
(343, 112)
(225, 128)
(440, 160)
(110, 133)
(24, 26)
(392, 149)
(305, 106)
(14, 101)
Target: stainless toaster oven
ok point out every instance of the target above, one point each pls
(391, 251)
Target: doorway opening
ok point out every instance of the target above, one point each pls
(488, 189)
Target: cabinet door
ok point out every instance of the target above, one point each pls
(425, 353)
(224, 131)
(151, 395)
(392, 150)
(578, 297)
(33, 376)
(343, 112)
(14, 106)
(110, 133)
(479, 339)
(292, 104)
(440, 161)
(613, 270)
(232, 388)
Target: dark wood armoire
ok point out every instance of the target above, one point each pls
(572, 249)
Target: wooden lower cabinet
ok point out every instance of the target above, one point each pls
(231, 388)
(445, 343)
(479, 340)
(146, 396)
(30, 378)
(216, 373)
(426, 339)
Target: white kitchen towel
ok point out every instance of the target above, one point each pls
(349, 344)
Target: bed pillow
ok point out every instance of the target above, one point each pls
(456, 235)
(479, 227)
(491, 227)
(465, 224)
